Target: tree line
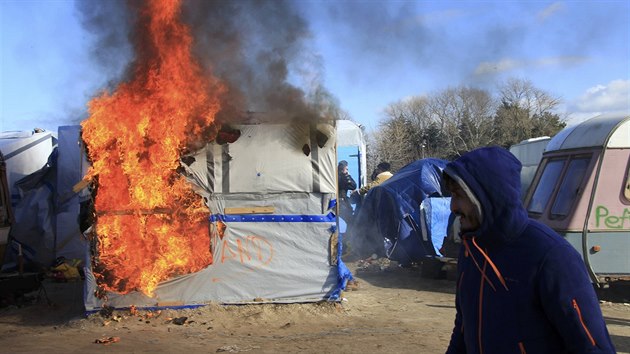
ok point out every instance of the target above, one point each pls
(453, 121)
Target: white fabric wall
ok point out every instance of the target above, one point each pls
(274, 259)
(24, 153)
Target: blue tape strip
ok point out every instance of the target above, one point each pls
(330, 217)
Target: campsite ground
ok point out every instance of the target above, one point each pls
(394, 310)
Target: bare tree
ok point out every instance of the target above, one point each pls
(450, 122)
(525, 112)
(395, 141)
(465, 116)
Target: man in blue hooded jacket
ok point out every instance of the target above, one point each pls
(521, 287)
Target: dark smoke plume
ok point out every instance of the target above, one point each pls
(258, 49)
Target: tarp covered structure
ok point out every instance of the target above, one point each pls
(6, 211)
(24, 152)
(389, 222)
(270, 196)
(45, 223)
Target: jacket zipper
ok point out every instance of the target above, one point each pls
(579, 313)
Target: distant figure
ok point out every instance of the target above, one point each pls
(381, 174)
(521, 287)
(345, 183)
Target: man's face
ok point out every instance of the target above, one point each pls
(344, 170)
(464, 207)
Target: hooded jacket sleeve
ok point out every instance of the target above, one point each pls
(570, 302)
(457, 345)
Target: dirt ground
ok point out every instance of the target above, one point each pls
(394, 310)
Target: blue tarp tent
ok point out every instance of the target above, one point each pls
(389, 220)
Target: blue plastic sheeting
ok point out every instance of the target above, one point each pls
(388, 222)
(343, 227)
(33, 228)
(434, 223)
(343, 273)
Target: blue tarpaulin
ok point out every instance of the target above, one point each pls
(389, 220)
(435, 213)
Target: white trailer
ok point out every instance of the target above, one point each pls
(529, 152)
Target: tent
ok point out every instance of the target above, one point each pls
(24, 152)
(392, 220)
(45, 216)
(270, 195)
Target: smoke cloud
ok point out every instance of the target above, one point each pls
(258, 49)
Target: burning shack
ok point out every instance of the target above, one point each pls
(268, 223)
(195, 202)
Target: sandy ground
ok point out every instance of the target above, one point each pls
(394, 310)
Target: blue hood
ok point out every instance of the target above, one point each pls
(493, 175)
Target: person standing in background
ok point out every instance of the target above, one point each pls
(345, 183)
(381, 174)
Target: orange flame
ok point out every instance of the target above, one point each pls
(150, 225)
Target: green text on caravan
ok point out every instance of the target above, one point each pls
(602, 215)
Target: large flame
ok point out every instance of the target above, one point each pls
(150, 225)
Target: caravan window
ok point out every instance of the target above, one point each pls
(626, 189)
(570, 186)
(545, 185)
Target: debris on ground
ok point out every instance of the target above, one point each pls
(179, 320)
(236, 348)
(352, 285)
(107, 340)
(374, 263)
(106, 311)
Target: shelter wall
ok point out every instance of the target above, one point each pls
(23, 156)
(252, 262)
(273, 158)
(284, 253)
(71, 168)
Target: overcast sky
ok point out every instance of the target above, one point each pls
(367, 54)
